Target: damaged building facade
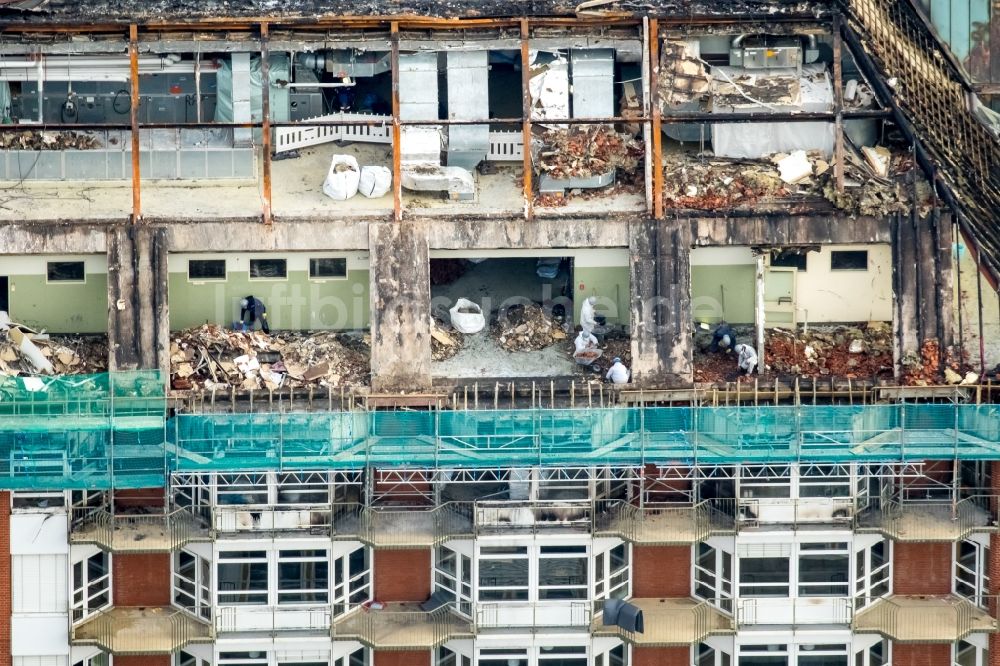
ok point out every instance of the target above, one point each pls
(412, 468)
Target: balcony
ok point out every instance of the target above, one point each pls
(670, 622)
(924, 619)
(141, 631)
(665, 523)
(401, 626)
(928, 520)
(136, 533)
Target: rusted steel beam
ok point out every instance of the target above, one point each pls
(397, 156)
(838, 105)
(133, 54)
(529, 207)
(654, 79)
(265, 107)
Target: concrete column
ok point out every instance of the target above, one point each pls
(400, 306)
(6, 607)
(660, 276)
(138, 325)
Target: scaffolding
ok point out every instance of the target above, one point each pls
(105, 431)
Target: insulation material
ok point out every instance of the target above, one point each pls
(738, 90)
(549, 88)
(278, 96)
(683, 76)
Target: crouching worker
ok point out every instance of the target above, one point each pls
(746, 360)
(618, 373)
(254, 307)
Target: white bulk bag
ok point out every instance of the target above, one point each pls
(342, 179)
(467, 322)
(375, 181)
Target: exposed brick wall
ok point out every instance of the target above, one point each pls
(660, 656)
(661, 571)
(139, 497)
(5, 601)
(930, 654)
(143, 660)
(921, 568)
(403, 575)
(141, 579)
(394, 658)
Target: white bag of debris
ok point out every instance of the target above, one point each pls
(342, 179)
(467, 317)
(375, 181)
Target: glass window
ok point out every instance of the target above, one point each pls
(789, 259)
(65, 271)
(849, 260)
(268, 269)
(764, 576)
(206, 269)
(328, 267)
(503, 578)
(242, 577)
(91, 585)
(562, 578)
(303, 577)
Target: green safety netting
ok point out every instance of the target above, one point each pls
(94, 431)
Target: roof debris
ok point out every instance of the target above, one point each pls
(528, 328)
(45, 140)
(211, 357)
(583, 151)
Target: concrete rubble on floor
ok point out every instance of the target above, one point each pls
(584, 151)
(528, 328)
(61, 354)
(44, 140)
(213, 358)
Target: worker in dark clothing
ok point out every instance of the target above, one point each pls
(255, 308)
(723, 338)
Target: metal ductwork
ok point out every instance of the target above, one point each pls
(468, 97)
(592, 73)
(346, 62)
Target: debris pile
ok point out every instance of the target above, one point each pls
(445, 344)
(584, 151)
(705, 184)
(60, 354)
(683, 75)
(39, 140)
(213, 358)
(925, 369)
(527, 328)
(848, 352)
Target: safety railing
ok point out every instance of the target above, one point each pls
(755, 511)
(915, 519)
(927, 618)
(796, 611)
(315, 520)
(666, 622)
(273, 618)
(541, 614)
(533, 517)
(415, 526)
(401, 626)
(665, 523)
(136, 533)
(135, 631)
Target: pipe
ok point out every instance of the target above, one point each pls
(738, 40)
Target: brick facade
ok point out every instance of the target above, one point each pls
(139, 497)
(143, 660)
(922, 568)
(6, 607)
(931, 654)
(661, 571)
(661, 656)
(398, 658)
(403, 575)
(141, 579)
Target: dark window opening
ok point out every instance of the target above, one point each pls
(268, 268)
(849, 260)
(330, 267)
(794, 260)
(207, 269)
(65, 271)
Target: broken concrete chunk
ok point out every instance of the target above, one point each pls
(316, 371)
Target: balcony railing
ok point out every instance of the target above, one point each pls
(140, 631)
(927, 619)
(928, 519)
(273, 618)
(136, 533)
(234, 519)
(794, 611)
(401, 626)
(668, 622)
(533, 517)
(542, 614)
(665, 523)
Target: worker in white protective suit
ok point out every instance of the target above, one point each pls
(588, 320)
(618, 373)
(585, 342)
(746, 359)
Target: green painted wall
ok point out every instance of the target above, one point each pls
(719, 292)
(297, 303)
(608, 283)
(69, 307)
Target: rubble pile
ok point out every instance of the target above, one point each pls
(705, 184)
(65, 354)
(445, 343)
(925, 369)
(213, 358)
(584, 151)
(527, 328)
(39, 140)
(862, 352)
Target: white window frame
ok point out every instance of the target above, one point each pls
(610, 581)
(871, 584)
(978, 646)
(714, 579)
(197, 591)
(87, 589)
(455, 580)
(972, 582)
(533, 589)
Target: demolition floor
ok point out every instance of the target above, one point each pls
(482, 357)
(297, 191)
